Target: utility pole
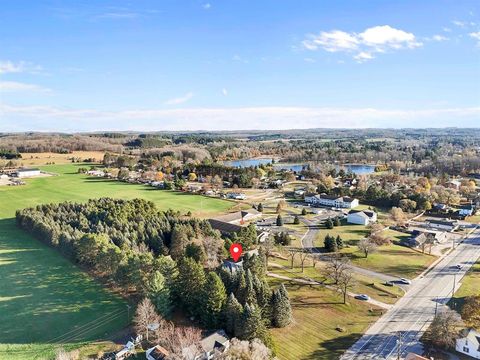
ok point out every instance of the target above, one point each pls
(453, 290)
(128, 313)
(436, 306)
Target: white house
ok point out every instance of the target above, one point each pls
(332, 201)
(469, 343)
(364, 217)
(24, 173)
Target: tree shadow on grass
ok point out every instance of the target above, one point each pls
(44, 296)
(333, 348)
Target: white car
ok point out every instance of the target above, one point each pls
(362, 297)
(405, 281)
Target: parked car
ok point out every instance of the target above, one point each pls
(388, 283)
(362, 297)
(458, 266)
(405, 281)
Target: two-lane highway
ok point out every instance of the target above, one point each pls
(400, 328)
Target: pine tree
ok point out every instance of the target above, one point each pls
(339, 242)
(279, 220)
(233, 316)
(241, 291)
(330, 243)
(282, 310)
(159, 293)
(191, 278)
(304, 211)
(214, 299)
(178, 242)
(253, 325)
(329, 224)
(296, 220)
(337, 221)
(250, 295)
(260, 207)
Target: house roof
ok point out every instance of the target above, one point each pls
(223, 226)
(335, 197)
(28, 169)
(443, 222)
(159, 353)
(363, 213)
(238, 215)
(214, 341)
(412, 356)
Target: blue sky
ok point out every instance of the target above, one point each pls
(238, 64)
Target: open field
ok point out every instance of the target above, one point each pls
(37, 159)
(390, 259)
(318, 313)
(371, 286)
(43, 297)
(70, 186)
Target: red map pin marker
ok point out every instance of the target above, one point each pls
(236, 251)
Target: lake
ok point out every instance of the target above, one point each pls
(359, 169)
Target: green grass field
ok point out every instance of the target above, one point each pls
(45, 300)
(318, 313)
(389, 259)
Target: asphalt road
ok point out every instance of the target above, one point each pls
(411, 315)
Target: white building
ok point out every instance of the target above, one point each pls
(236, 196)
(469, 344)
(364, 217)
(24, 173)
(332, 201)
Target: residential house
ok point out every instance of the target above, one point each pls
(157, 353)
(469, 343)
(363, 217)
(24, 173)
(446, 225)
(240, 217)
(216, 342)
(332, 201)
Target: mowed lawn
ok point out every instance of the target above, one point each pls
(46, 301)
(470, 285)
(390, 259)
(318, 317)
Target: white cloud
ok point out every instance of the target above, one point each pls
(363, 56)
(224, 92)
(377, 39)
(446, 29)
(476, 36)
(14, 86)
(179, 100)
(207, 6)
(458, 23)
(332, 41)
(309, 60)
(439, 38)
(18, 67)
(45, 118)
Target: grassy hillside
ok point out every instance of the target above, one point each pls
(45, 301)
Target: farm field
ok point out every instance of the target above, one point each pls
(37, 159)
(323, 328)
(39, 289)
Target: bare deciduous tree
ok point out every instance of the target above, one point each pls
(367, 246)
(336, 266)
(212, 247)
(145, 315)
(345, 282)
(444, 329)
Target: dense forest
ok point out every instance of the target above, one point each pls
(174, 260)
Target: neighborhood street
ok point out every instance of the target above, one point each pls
(400, 328)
